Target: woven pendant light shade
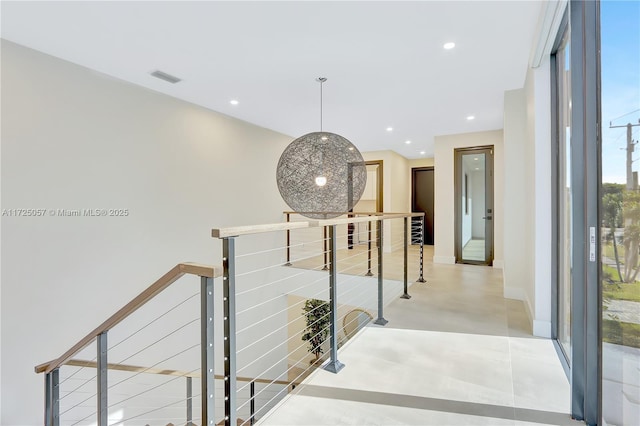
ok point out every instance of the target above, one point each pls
(321, 175)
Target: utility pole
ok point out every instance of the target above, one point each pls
(630, 181)
(631, 245)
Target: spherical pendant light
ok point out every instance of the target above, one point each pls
(321, 175)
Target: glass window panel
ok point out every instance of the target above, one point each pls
(620, 207)
(564, 194)
(473, 210)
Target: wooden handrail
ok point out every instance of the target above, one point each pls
(283, 226)
(347, 220)
(340, 213)
(163, 282)
(137, 369)
(256, 229)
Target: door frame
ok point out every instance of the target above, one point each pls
(489, 200)
(413, 190)
(379, 183)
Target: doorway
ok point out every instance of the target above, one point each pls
(370, 202)
(474, 205)
(422, 200)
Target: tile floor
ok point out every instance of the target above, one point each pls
(456, 353)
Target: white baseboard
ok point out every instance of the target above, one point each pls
(528, 308)
(448, 260)
(542, 328)
(514, 293)
(498, 263)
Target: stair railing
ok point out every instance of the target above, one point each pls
(267, 281)
(51, 369)
(307, 281)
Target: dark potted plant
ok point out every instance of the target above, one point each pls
(316, 313)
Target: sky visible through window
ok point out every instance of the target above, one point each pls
(620, 56)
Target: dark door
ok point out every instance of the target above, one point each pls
(422, 200)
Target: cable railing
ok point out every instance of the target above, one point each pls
(355, 236)
(284, 317)
(163, 326)
(186, 403)
(199, 354)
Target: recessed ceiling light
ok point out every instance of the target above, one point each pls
(407, 142)
(477, 168)
(476, 158)
(471, 117)
(422, 152)
(449, 45)
(234, 102)
(389, 129)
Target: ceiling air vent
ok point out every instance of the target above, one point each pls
(166, 77)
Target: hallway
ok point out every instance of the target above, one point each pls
(457, 353)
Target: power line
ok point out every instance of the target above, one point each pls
(623, 115)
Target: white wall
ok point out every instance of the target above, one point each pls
(421, 162)
(518, 209)
(444, 247)
(539, 119)
(74, 139)
(528, 221)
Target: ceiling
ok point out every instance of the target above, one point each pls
(384, 61)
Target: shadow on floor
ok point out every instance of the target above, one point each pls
(435, 404)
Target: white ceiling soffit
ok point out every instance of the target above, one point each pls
(384, 60)
(548, 25)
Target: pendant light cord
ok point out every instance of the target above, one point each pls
(321, 80)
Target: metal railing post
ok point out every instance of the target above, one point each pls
(189, 402)
(334, 365)
(288, 243)
(207, 366)
(52, 398)
(380, 320)
(252, 402)
(55, 397)
(406, 257)
(421, 278)
(350, 232)
(229, 303)
(369, 273)
(324, 239)
(103, 404)
(47, 399)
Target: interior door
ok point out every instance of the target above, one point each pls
(422, 201)
(474, 205)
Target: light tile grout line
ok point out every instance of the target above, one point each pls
(513, 389)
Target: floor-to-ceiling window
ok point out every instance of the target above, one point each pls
(620, 207)
(563, 90)
(577, 204)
